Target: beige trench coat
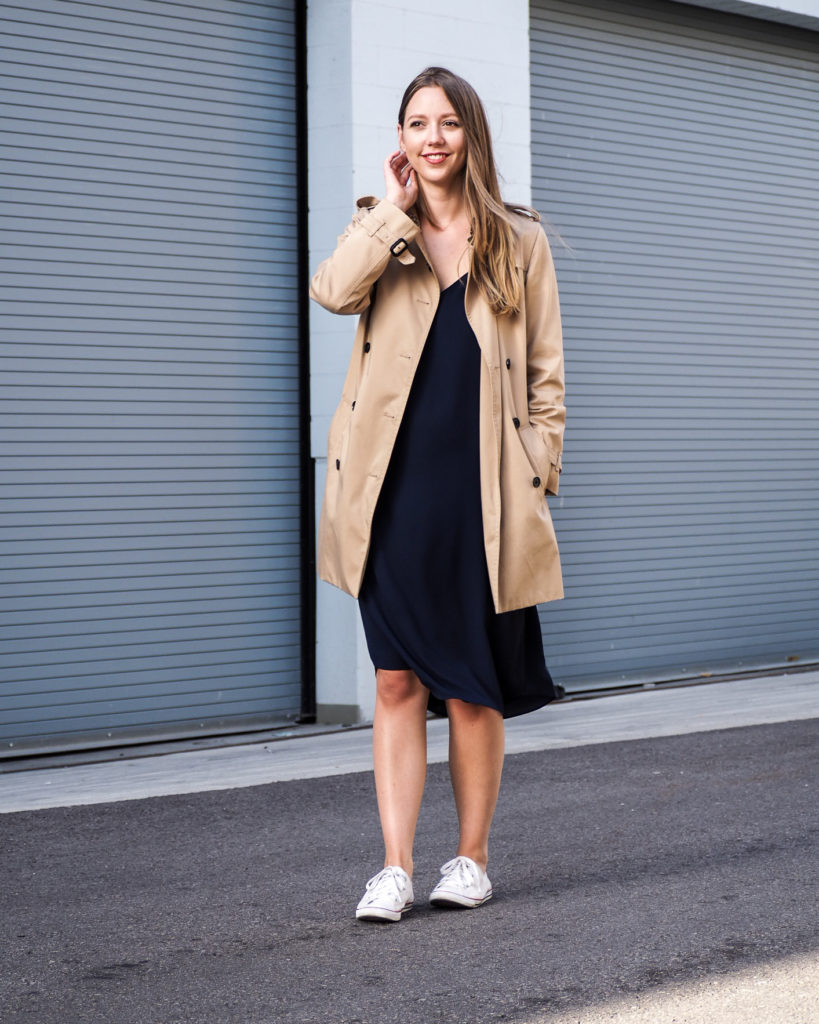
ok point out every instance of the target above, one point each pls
(379, 270)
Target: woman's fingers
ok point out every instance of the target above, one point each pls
(411, 188)
(399, 165)
(400, 180)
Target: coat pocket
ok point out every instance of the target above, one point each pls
(545, 464)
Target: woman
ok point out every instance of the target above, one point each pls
(447, 438)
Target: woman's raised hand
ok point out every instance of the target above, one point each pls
(402, 187)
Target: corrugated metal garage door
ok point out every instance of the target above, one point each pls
(150, 569)
(676, 150)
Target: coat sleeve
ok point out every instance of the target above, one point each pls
(544, 356)
(343, 282)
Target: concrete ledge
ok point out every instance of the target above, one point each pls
(337, 714)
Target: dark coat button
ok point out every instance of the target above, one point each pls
(338, 463)
(536, 482)
(508, 363)
(516, 421)
(366, 346)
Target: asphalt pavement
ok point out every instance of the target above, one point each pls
(664, 878)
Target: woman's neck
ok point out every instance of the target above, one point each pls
(444, 209)
(445, 233)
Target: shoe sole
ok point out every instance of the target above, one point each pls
(457, 901)
(381, 913)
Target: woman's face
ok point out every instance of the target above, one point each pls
(433, 138)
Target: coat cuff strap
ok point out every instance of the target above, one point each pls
(392, 227)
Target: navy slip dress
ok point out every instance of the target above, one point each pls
(426, 601)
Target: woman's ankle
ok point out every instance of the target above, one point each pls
(399, 862)
(478, 855)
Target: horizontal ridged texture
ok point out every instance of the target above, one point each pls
(150, 556)
(675, 150)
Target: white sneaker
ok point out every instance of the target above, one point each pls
(464, 884)
(388, 895)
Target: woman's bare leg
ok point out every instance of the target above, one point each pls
(476, 744)
(399, 759)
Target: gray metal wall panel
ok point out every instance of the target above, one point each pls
(149, 558)
(675, 150)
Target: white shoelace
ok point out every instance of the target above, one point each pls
(387, 880)
(460, 870)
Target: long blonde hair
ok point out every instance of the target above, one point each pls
(492, 237)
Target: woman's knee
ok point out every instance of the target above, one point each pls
(399, 686)
(471, 714)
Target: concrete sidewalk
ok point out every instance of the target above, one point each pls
(639, 715)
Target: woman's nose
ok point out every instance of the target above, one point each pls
(434, 134)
